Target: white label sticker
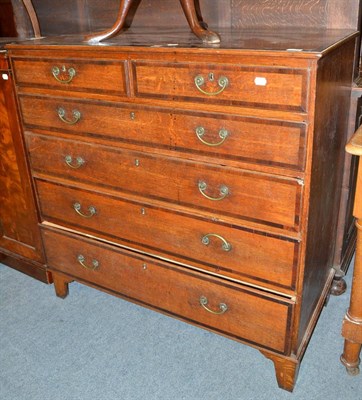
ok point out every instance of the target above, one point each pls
(260, 81)
(5, 77)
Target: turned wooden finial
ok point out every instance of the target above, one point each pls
(191, 10)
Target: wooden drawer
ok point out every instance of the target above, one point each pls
(246, 314)
(234, 252)
(266, 142)
(252, 86)
(250, 196)
(72, 74)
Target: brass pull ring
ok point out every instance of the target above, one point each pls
(222, 306)
(62, 116)
(78, 162)
(81, 260)
(226, 246)
(92, 210)
(200, 132)
(223, 82)
(224, 191)
(56, 71)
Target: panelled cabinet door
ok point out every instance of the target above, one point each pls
(19, 234)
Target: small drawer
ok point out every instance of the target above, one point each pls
(260, 198)
(245, 314)
(238, 252)
(256, 141)
(251, 86)
(72, 74)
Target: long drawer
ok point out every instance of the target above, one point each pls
(265, 142)
(254, 86)
(229, 251)
(246, 195)
(250, 315)
(72, 74)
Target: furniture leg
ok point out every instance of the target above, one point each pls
(350, 357)
(352, 323)
(33, 18)
(199, 15)
(339, 285)
(61, 285)
(124, 11)
(193, 15)
(286, 370)
(192, 12)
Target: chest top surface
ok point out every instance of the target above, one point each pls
(311, 41)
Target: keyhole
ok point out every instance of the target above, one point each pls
(211, 76)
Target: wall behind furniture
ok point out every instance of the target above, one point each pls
(69, 16)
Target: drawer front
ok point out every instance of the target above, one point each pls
(265, 87)
(244, 314)
(250, 196)
(233, 252)
(276, 143)
(67, 74)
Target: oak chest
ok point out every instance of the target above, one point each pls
(201, 182)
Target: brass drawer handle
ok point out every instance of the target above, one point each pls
(56, 71)
(222, 306)
(78, 162)
(78, 209)
(226, 246)
(81, 260)
(200, 132)
(62, 116)
(223, 82)
(224, 191)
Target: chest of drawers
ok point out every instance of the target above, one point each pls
(200, 182)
